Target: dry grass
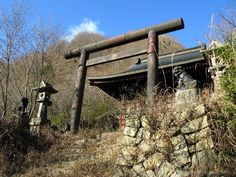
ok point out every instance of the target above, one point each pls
(223, 133)
(104, 163)
(162, 115)
(26, 151)
(75, 156)
(61, 73)
(98, 168)
(19, 149)
(94, 154)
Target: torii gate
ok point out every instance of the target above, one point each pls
(152, 75)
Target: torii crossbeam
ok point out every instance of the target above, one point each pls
(151, 33)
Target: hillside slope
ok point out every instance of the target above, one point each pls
(65, 76)
(52, 67)
(73, 156)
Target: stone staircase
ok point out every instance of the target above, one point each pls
(73, 156)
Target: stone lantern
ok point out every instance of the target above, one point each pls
(44, 92)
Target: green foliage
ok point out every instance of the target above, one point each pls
(61, 119)
(96, 108)
(228, 82)
(99, 111)
(227, 53)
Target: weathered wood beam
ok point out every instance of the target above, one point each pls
(84, 51)
(115, 57)
(153, 66)
(79, 93)
(125, 38)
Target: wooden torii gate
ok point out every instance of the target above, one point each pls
(152, 51)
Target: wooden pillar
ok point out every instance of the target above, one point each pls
(79, 93)
(153, 71)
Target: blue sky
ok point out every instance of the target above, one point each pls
(112, 18)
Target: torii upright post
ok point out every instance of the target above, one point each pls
(109, 43)
(152, 72)
(79, 92)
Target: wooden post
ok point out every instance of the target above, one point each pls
(153, 72)
(79, 93)
(113, 42)
(127, 38)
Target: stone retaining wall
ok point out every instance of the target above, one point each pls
(180, 146)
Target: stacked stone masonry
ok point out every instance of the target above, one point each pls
(180, 147)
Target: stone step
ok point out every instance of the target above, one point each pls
(69, 151)
(73, 157)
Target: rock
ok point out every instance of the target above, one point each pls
(140, 157)
(197, 136)
(126, 160)
(130, 131)
(133, 122)
(188, 114)
(157, 136)
(186, 98)
(202, 145)
(178, 142)
(145, 122)
(180, 173)
(139, 136)
(164, 144)
(181, 157)
(122, 171)
(143, 174)
(139, 168)
(145, 146)
(199, 111)
(119, 172)
(127, 140)
(128, 150)
(150, 173)
(132, 173)
(166, 169)
(195, 125)
(174, 150)
(146, 134)
(183, 116)
(166, 121)
(127, 156)
(173, 130)
(121, 160)
(154, 160)
(203, 159)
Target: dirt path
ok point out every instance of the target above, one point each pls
(76, 157)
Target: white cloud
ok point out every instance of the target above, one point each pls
(87, 25)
